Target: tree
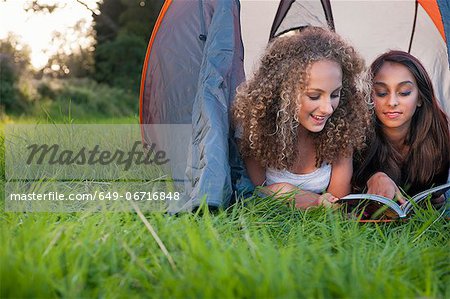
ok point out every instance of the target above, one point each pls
(77, 64)
(119, 54)
(17, 52)
(139, 17)
(112, 68)
(9, 93)
(75, 55)
(37, 6)
(106, 23)
(73, 59)
(14, 62)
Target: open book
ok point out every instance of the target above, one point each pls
(371, 206)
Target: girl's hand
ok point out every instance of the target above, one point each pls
(327, 200)
(381, 184)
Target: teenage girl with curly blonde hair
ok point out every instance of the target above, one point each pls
(302, 115)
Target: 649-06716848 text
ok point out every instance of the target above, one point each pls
(97, 195)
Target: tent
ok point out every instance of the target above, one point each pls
(200, 50)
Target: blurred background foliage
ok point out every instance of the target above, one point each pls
(88, 81)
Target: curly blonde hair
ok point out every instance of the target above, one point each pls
(266, 109)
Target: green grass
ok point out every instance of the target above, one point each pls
(69, 99)
(263, 249)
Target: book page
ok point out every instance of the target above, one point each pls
(429, 193)
(370, 206)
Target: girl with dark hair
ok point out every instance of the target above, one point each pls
(410, 145)
(302, 115)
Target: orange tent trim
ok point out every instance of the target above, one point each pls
(432, 9)
(164, 9)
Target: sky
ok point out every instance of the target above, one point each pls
(37, 29)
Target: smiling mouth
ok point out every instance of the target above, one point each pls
(393, 114)
(319, 118)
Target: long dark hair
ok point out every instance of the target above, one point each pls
(428, 138)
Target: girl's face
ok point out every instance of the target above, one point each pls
(321, 96)
(396, 97)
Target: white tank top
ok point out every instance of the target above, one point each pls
(316, 181)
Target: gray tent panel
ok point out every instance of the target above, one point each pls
(192, 80)
(174, 66)
(209, 171)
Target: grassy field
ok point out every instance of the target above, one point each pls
(261, 249)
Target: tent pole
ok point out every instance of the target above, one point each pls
(413, 27)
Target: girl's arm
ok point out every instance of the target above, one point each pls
(303, 199)
(255, 171)
(341, 176)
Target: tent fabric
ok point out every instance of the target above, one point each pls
(429, 46)
(195, 61)
(221, 72)
(173, 60)
(194, 65)
(320, 14)
(373, 27)
(143, 112)
(444, 7)
(432, 9)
